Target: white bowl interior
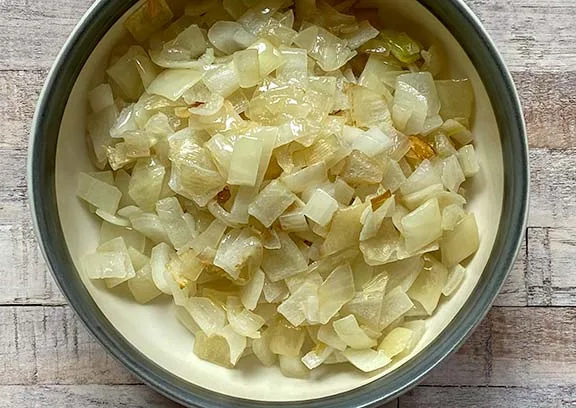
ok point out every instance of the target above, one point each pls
(154, 330)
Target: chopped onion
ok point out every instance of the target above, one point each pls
(427, 288)
(395, 305)
(321, 208)
(261, 349)
(159, 261)
(292, 366)
(286, 340)
(252, 291)
(459, 244)
(243, 321)
(243, 170)
(367, 360)
(101, 97)
(229, 36)
(468, 161)
(335, 292)
(172, 217)
(455, 278)
(271, 202)
(329, 51)
(345, 230)
(247, 65)
(350, 333)
(210, 317)
(317, 357)
(452, 174)
(222, 79)
(306, 178)
(98, 193)
(396, 342)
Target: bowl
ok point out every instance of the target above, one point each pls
(150, 342)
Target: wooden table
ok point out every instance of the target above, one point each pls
(523, 355)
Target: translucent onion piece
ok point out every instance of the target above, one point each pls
(361, 36)
(286, 340)
(368, 108)
(261, 349)
(427, 288)
(350, 333)
(186, 320)
(292, 367)
(146, 182)
(321, 208)
(243, 321)
(250, 294)
(106, 265)
(459, 244)
(360, 168)
(396, 304)
(275, 292)
(373, 142)
(171, 215)
(345, 230)
(239, 250)
(302, 180)
(457, 132)
(372, 220)
(468, 161)
(455, 278)
(396, 342)
(329, 51)
(335, 292)
(159, 259)
(98, 193)
(98, 127)
(451, 216)
(366, 305)
(452, 174)
(295, 67)
(328, 336)
(269, 57)
(229, 36)
(422, 226)
(418, 328)
(317, 357)
(247, 65)
(142, 285)
(271, 202)
(124, 74)
(186, 265)
(112, 219)
(209, 238)
(294, 221)
(101, 97)
(210, 317)
(148, 18)
(456, 99)
(245, 160)
(367, 360)
(133, 239)
(222, 79)
(424, 176)
(212, 106)
(214, 349)
(296, 309)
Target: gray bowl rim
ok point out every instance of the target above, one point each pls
(466, 28)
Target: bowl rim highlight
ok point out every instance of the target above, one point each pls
(467, 30)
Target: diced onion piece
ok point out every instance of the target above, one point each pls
(295, 67)
(395, 305)
(468, 161)
(208, 315)
(367, 360)
(106, 265)
(345, 230)
(455, 278)
(275, 292)
(186, 265)
(229, 36)
(321, 208)
(422, 226)
(171, 215)
(456, 98)
(316, 357)
(243, 321)
(294, 221)
(247, 65)
(124, 74)
(142, 285)
(418, 328)
(427, 288)
(302, 305)
(210, 107)
(302, 180)
(209, 238)
(459, 244)
(286, 340)
(292, 367)
(396, 342)
(214, 348)
(372, 220)
(451, 216)
(101, 97)
(271, 202)
(366, 305)
(146, 182)
(335, 292)
(112, 219)
(222, 79)
(328, 336)
(452, 174)
(424, 176)
(416, 199)
(98, 193)
(173, 83)
(186, 320)
(373, 142)
(245, 161)
(329, 51)
(159, 259)
(269, 57)
(261, 349)
(133, 239)
(352, 334)
(282, 263)
(250, 294)
(361, 36)
(149, 17)
(239, 250)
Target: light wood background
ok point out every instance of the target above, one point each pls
(524, 353)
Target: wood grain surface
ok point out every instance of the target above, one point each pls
(523, 354)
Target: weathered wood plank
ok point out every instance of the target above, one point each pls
(31, 33)
(48, 345)
(524, 347)
(86, 396)
(531, 35)
(489, 397)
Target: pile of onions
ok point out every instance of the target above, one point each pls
(291, 175)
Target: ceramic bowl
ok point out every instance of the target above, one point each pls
(148, 339)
